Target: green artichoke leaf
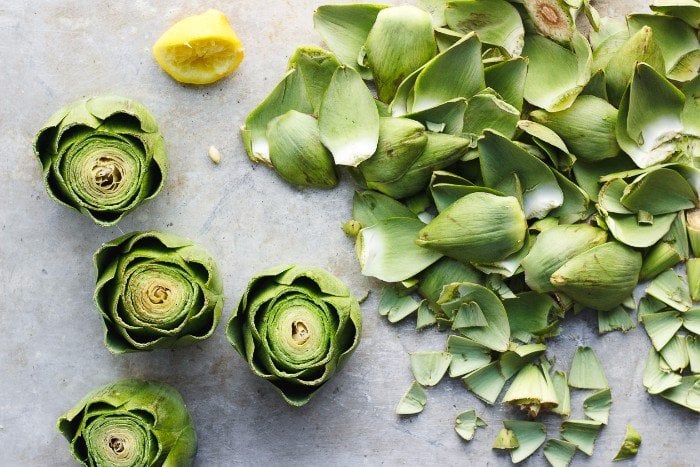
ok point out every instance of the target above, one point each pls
(370, 207)
(561, 388)
(413, 401)
(466, 424)
(528, 314)
(678, 42)
(486, 111)
(429, 367)
(316, 67)
(496, 22)
(559, 453)
(626, 229)
(686, 394)
(693, 271)
(486, 383)
(344, 28)
(348, 118)
(507, 78)
(296, 151)
(400, 41)
(517, 357)
(295, 326)
(130, 422)
(671, 289)
(532, 390)
(657, 378)
(496, 334)
(565, 71)
(289, 94)
(687, 10)
(675, 353)
(156, 290)
(467, 355)
(616, 319)
(582, 433)
(552, 18)
(447, 118)
(395, 304)
(597, 406)
(500, 158)
(102, 156)
(643, 194)
(446, 188)
(588, 174)
(630, 446)
(445, 271)
(530, 436)
(601, 277)
(662, 326)
(436, 8)
(387, 250)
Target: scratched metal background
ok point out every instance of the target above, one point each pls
(51, 352)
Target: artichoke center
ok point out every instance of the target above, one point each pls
(106, 174)
(158, 293)
(117, 445)
(118, 440)
(300, 332)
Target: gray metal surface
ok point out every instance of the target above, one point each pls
(51, 352)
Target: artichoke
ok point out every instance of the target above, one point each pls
(131, 423)
(295, 327)
(102, 156)
(156, 290)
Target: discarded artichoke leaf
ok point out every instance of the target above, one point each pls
(515, 359)
(413, 401)
(425, 317)
(677, 41)
(657, 379)
(601, 277)
(649, 305)
(429, 367)
(401, 142)
(289, 94)
(596, 85)
(445, 271)
(616, 319)
(671, 250)
(446, 188)
(400, 41)
(316, 67)
(649, 120)
(530, 436)
(469, 315)
(396, 305)
(587, 127)
(675, 353)
(496, 334)
(466, 424)
(370, 207)
(436, 8)
(447, 117)
(592, 15)
(582, 433)
(609, 26)
(553, 248)
(446, 38)
(565, 72)
(486, 111)
(662, 326)
(671, 289)
(588, 174)
(479, 227)
(387, 250)
(348, 118)
(296, 151)
(551, 18)
(500, 158)
(687, 393)
(344, 28)
(486, 382)
(693, 271)
(467, 355)
(532, 390)
(507, 78)
(607, 49)
(558, 452)
(597, 406)
(691, 111)
(561, 389)
(643, 193)
(626, 229)
(509, 266)
(693, 344)
(528, 313)
(630, 446)
(687, 10)
(693, 224)
(505, 439)
(586, 371)
(456, 72)
(496, 22)
(550, 143)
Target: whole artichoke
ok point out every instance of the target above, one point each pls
(102, 156)
(131, 423)
(295, 327)
(156, 290)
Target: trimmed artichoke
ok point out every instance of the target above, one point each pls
(295, 327)
(129, 423)
(102, 156)
(156, 290)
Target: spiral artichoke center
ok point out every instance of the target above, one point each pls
(118, 440)
(107, 174)
(117, 445)
(158, 293)
(300, 332)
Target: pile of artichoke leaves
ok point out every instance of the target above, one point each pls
(511, 171)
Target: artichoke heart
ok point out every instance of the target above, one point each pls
(479, 228)
(600, 278)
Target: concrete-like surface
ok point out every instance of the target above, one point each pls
(51, 352)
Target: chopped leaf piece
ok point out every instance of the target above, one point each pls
(561, 388)
(693, 271)
(532, 390)
(675, 353)
(516, 358)
(395, 305)
(657, 377)
(597, 406)
(429, 367)
(505, 440)
(466, 424)
(586, 371)
(630, 446)
(558, 452)
(662, 326)
(672, 290)
(413, 401)
(687, 393)
(467, 355)
(530, 436)
(528, 313)
(617, 319)
(693, 344)
(582, 433)
(486, 383)
(425, 317)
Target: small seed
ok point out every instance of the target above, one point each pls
(214, 155)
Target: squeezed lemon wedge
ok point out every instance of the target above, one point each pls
(199, 49)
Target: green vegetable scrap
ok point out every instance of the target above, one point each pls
(413, 401)
(295, 327)
(466, 424)
(630, 445)
(102, 156)
(131, 422)
(156, 290)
